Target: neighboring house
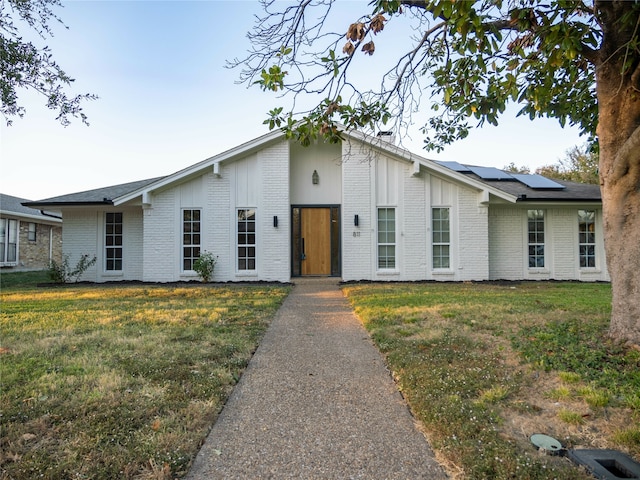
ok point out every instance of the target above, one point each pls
(29, 238)
(365, 209)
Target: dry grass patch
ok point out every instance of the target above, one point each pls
(485, 366)
(110, 382)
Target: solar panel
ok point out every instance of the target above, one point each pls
(537, 182)
(455, 166)
(491, 173)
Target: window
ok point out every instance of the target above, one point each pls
(441, 237)
(246, 239)
(190, 238)
(535, 221)
(8, 240)
(31, 233)
(113, 242)
(386, 238)
(587, 238)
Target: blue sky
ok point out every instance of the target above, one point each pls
(167, 101)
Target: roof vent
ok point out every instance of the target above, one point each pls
(387, 136)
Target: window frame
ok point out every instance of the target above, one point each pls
(249, 232)
(113, 242)
(8, 234)
(194, 234)
(584, 236)
(440, 243)
(32, 232)
(538, 241)
(383, 262)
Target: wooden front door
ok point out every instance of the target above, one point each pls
(316, 241)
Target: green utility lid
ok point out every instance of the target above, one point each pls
(546, 444)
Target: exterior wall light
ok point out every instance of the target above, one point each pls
(315, 178)
(275, 221)
(356, 220)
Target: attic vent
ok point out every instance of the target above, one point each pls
(387, 136)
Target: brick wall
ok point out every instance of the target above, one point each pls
(79, 237)
(36, 255)
(161, 230)
(473, 237)
(358, 254)
(274, 254)
(508, 246)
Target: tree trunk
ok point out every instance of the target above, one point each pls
(619, 138)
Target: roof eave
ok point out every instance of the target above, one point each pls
(66, 204)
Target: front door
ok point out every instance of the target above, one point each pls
(316, 241)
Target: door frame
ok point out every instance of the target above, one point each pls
(338, 253)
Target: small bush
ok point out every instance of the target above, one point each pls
(62, 272)
(204, 265)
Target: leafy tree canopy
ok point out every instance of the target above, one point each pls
(23, 65)
(579, 165)
(472, 58)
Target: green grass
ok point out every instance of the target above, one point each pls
(115, 381)
(23, 279)
(467, 358)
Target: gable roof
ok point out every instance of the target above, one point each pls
(512, 191)
(13, 206)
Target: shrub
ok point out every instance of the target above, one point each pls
(62, 272)
(204, 265)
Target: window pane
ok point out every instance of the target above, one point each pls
(587, 238)
(113, 241)
(440, 237)
(535, 227)
(386, 238)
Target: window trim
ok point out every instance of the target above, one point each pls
(254, 245)
(447, 244)
(32, 235)
(543, 232)
(192, 258)
(6, 241)
(394, 244)
(114, 246)
(593, 244)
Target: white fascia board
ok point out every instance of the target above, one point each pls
(209, 163)
(26, 216)
(541, 204)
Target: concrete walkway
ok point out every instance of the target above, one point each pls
(316, 401)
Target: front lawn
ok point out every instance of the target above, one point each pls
(112, 381)
(485, 366)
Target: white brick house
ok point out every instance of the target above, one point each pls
(271, 210)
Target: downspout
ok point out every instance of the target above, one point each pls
(50, 243)
(45, 214)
